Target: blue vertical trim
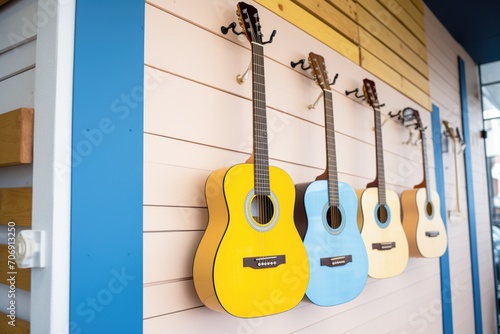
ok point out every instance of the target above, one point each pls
(444, 260)
(470, 199)
(106, 285)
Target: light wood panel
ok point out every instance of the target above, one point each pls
(391, 31)
(15, 206)
(8, 269)
(332, 16)
(16, 137)
(310, 24)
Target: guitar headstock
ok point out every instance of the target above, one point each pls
(450, 131)
(370, 93)
(420, 126)
(249, 22)
(319, 72)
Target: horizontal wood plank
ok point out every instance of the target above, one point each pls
(169, 255)
(16, 137)
(170, 297)
(393, 60)
(406, 19)
(348, 7)
(21, 326)
(9, 269)
(413, 12)
(310, 24)
(384, 72)
(15, 206)
(419, 4)
(332, 17)
(385, 18)
(389, 38)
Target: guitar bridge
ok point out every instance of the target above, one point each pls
(431, 234)
(264, 262)
(381, 246)
(336, 261)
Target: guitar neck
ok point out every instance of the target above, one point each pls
(426, 164)
(379, 148)
(260, 149)
(456, 176)
(333, 186)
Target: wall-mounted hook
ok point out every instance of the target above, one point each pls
(301, 62)
(270, 38)
(460, 141)
(241, 78)
(231, 27)
(313, 106)
(355, 91)
(334, 79)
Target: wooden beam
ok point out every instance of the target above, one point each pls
(16, 137)
(15, 206)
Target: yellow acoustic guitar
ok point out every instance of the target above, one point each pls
(251, 261)
(422, 220)
(379, 211)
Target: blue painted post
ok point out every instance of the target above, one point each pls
(470, 199)
(444, 260)
(106, 279)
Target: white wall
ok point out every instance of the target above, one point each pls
(197, 119)
(445, 93)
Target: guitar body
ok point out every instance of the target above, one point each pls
(385, 243)
(242, 267)
(337, 257)
(423, 224)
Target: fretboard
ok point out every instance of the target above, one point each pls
(261, 155)
(331, 156)
(426, 164)
(379, 148)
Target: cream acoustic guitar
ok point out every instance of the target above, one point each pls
(454, 134)
(251, 261)
(379, 211)
(422, 220)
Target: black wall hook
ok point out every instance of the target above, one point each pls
(231, 27)
(355, 91)
(270, 38)
(301, 62)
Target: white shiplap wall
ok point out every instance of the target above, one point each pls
(445, 93)
(17, 82)
(197, 119)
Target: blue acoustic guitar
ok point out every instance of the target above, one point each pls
(325, 216)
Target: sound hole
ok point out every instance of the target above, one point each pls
(334, 217)
(262, 209)
(382, 214)
(429, 209)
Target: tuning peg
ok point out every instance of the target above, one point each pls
(301, 62)
(231, 27)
